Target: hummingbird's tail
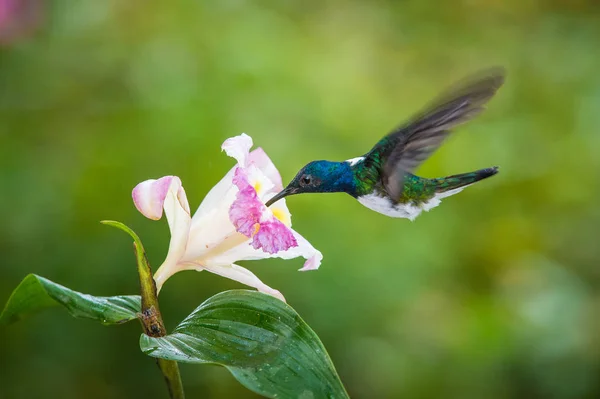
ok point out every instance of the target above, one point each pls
(446, 186)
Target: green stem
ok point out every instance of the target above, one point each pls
(150, 317)
(170, 371)
(153, 322)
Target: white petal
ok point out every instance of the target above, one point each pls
(211, 227)
(311, 254)
(244, 276)
(215, 196)
(245, 251)
(306, 250)
(238, 147)
(260, 158)
(168, 193)
(261, 183)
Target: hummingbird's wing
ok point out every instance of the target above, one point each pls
(404, 149)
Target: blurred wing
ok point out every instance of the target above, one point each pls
(410, 144)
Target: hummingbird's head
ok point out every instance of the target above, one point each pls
(319, 177)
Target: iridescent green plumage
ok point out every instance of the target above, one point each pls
(415, 189)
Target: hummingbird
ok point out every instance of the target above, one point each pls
(383, 179)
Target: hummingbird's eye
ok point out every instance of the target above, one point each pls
(306, 180)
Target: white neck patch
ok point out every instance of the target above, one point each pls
(354, 161)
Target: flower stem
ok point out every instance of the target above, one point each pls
(150, 316)
(170, 371)
(153, 323)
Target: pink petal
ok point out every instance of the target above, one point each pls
(246, 210)
(313, 262)
(273, 236)
(253, 219)
(149, 196)
(238, 147)
(260, 158)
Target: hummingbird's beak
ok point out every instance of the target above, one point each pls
(283, 193)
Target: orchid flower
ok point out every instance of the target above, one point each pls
(231, 224)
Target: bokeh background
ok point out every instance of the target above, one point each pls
(496, 293)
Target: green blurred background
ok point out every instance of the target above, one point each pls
(494, 294)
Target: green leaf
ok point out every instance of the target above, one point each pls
(261, 340)
(36, 293)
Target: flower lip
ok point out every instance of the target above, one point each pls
(283, 193)
(251, 218)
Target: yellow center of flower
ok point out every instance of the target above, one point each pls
(256, 228)
(257, 187)
(281, 215)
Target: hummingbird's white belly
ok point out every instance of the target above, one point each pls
(384, 205)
